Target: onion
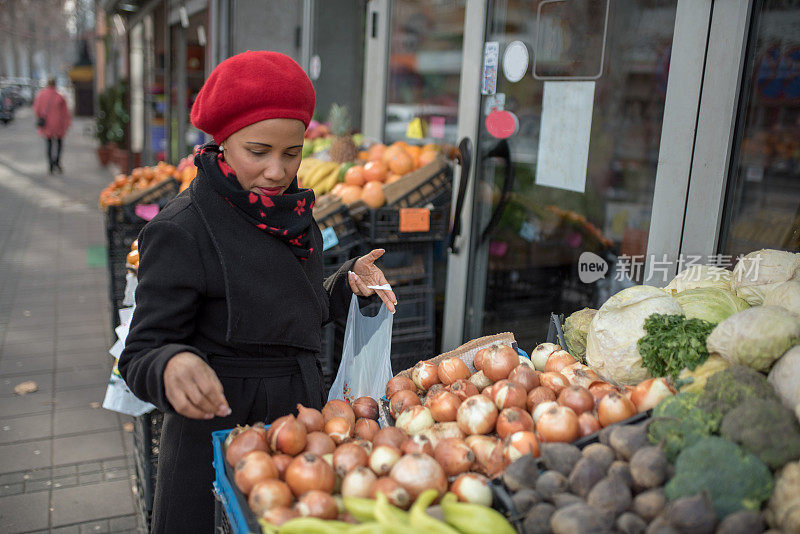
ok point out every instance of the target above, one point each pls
(432, 392)
(278, 516)
(418, 443)
(425, 374)
(347, 457)
(287, 435)
(600, 389)
(454, 455)
(474, 488)
(365, 407)
(399, 383)
(463, 389)
(248, 440)
(395, 493)
(339, 429)
(477, 360)
(649, 393)
(513, 420)
(480, 381)
(524, 376)
(383, 458)
(554, 381)
(499, 362)
(338, 408)
(312, 419)
(525, 361)
(415, 420)
(539, 395)
(235, 432)
(363, 443)
(366, 428)
(541, 408)
(557, 361)
(309, 472)
(578, 398)
(402, 401)
(319, 443)
(282, 462)
(391, 435)
(451, 370)
(489, 458)
(441, 431)
(487, 392)
(358, 483)
(319, 504)
(477, 415)
(614, 408)
(269, 495)
(444, 406)
(417, 473)
(541, 353)
(579, 375)
(255, 467)
(588, 424)
(558, 424)
(519, 444)
(508, 394)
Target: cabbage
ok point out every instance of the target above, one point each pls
(576, 327)
(786, 295)
(760, 271)
(785, 378)
(611, 344)
(698, 276)
(710, 304)
(755, 337)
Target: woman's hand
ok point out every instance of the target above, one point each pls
(365, 273)
(193, 389)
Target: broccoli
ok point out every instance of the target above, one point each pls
(766, 428)
(728, 388)
(734, 479)
(677, 423)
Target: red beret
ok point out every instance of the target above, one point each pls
(252, 87)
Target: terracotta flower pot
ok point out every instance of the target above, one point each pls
(104, 154)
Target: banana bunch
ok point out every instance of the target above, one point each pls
(321, 176)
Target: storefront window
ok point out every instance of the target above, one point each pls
(425, 69)
(763, 197)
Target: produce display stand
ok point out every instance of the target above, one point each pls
(146, 441)
(231, 512)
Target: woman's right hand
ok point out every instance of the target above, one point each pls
(193, 389)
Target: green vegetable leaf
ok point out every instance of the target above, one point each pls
(673, 342)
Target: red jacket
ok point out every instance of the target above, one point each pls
(52, 106)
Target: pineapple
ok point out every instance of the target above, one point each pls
(343, 149)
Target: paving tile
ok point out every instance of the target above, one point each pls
(20, 364)
(39, 474)
(90, 478)
(65, 482)
(80, 398)
(24, 513)
(118, 463)
(72, 359)
(43, 379)
(82, 376)
(87, 447)
(88, 503)
(87, 344)
(127, 522)
(38, 485)
(30, 404)
(16, 477)
(24, 456)
(72, 529)
(31, 427)
(11, 489)
(84, 420)
(90, 467)
(96, 527)
(65, 471)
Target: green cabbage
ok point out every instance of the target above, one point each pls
(576, 326)
(710, 304)
(755, 337)
(760, 271)
(786, 295)
(612, 342)
(698, 276)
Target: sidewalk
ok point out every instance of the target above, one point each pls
(66, 464)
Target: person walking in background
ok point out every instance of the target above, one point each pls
(52, 121)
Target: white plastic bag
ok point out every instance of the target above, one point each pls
(366, 364)
(120, 399)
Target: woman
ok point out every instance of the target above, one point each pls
(231, 300)
(53, 120)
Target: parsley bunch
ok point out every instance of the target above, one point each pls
(673, 342)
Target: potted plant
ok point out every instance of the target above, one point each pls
(103, 127)
(118, 122)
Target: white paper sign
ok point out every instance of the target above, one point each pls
(491, 54)
(515, 61)
(564, 135)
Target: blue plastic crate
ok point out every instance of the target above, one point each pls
(234, 503)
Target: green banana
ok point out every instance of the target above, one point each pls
(363, 510)
(379, 528)
(474, 518)
(267, 528)
(422, 521)
(388, 514)
(313, 525)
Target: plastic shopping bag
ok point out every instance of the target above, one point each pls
(120, 399)
(366, 364)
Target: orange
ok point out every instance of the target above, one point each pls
(432, 146)
(372, 195)
(363, 155)
(401, 163)
(350, 193)
(427, 156)
(120, 180)
(133, 257)
(414, 151)
(389, 153)
(375, 152)
(135, 244)
(375, 171)
(337, 189)
(354, 175)
(392, 178)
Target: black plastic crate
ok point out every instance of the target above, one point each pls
(146, 441)
(406, 263)
(341, 223)
(436, 190)
(333, 258)
(143, 513)
(384, 225)
(329, 365)
(408, 350)
(415, 309)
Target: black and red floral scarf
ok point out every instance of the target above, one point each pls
(287, 217)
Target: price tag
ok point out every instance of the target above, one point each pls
(146, 211)
(415, 220)
(529, 231)
(329, 238)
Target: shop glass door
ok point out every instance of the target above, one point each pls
(571, 111)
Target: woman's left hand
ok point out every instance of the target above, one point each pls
(365, 274)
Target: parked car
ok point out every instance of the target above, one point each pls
(6, 109)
